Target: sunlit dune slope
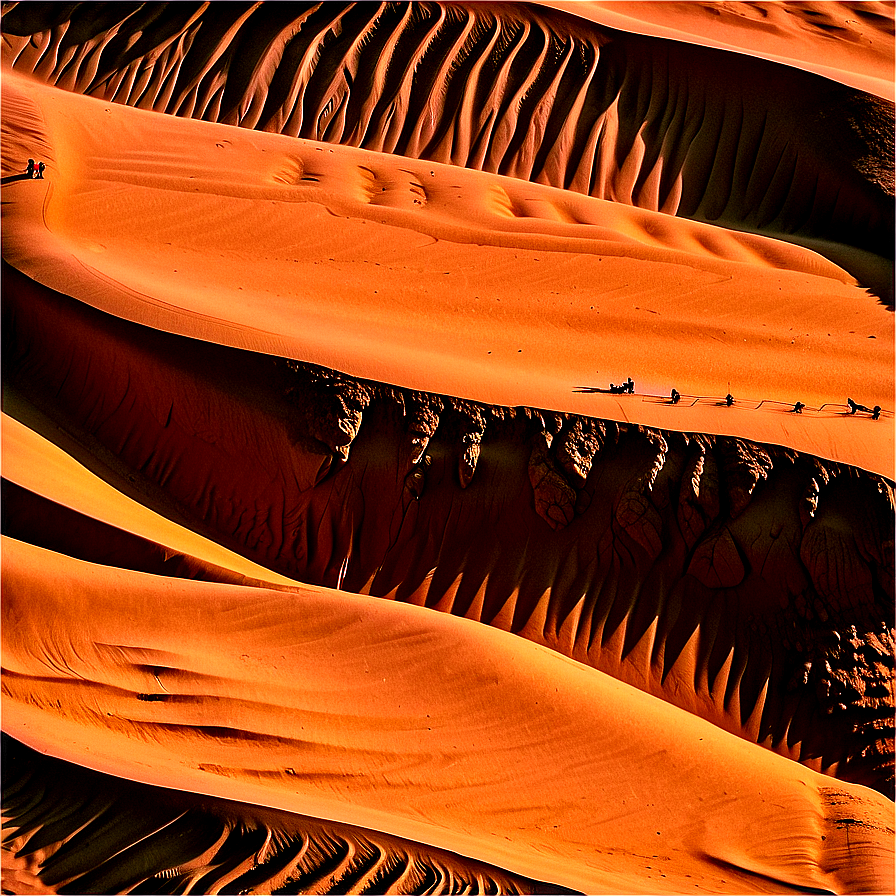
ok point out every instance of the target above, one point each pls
(208, 844)
(851, 42)
(522, 91)
(332, 559)
(476, 286)
(418, 753)
(710, 572)
(35, 465)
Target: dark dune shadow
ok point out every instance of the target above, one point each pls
(14, 177)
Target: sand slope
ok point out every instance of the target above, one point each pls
(189, 842)
(516, 306)
(370, 719)
(520, 91)
(690, 567)
(848, 42)
(329, 561)
(37, 465)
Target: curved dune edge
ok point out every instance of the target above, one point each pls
(847, 42)
(528, 92)
(421, 706)
(177, 840)
(690, 567)
(489, 334)
(34, 463)
(421, 303)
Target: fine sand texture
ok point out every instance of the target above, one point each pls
(334, 561)
(414, 699)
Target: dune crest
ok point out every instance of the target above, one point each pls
(210, 845)
(569, 762)
(690, 565)
(474, 271)
(851, 42)
(538, 96)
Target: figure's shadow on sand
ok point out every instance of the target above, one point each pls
(12, 177)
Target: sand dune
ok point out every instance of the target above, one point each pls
(35, 466)
(685, 130)
(317, 213)
(566, 756)
(212, 845)
(673, 562)
(331, 562)
(850, 42)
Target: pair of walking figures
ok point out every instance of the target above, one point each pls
(35, 170)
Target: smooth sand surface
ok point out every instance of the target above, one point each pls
(335, 706)
(847, 42)
(34, 463)
(542, 254)
(474, 285)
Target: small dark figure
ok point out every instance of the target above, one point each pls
(630, 386)
(29, 171)
(729, 399)
(676, 396)
(798, 408)
(40, 170)
(854, 406)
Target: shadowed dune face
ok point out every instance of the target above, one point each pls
(736, 583)
(211, 846)
(531, 93)
(750, 584)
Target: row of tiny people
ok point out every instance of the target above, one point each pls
(853, 406)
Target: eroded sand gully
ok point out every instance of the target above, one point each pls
(312, 549)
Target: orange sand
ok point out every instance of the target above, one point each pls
(425, 275)
(475, 285)
(850, 42)
(417, 724)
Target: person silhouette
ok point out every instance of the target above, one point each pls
(676, 396)
(855, 406)
(630, 386)
(29, 170)
(40, 170)
(729, 400)
(798, 408)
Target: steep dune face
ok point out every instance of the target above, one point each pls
(327, 567)
(648, 122)
(433, 727)
(723, 575)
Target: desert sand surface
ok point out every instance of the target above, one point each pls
(502, 256)
(396, 722)
(331, 560)
(847, 42)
